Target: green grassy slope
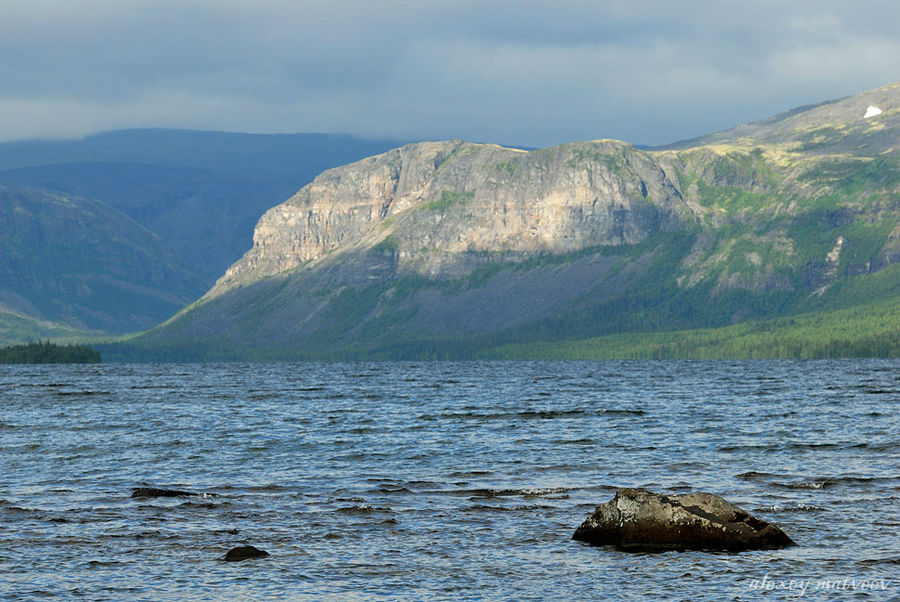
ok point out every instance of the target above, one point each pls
(868, 330)
(16, 328)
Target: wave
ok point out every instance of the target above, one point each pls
(526, 492)
(363, 509)
(489, 508)
(777, 509)
(532, 414)
(876, 561)
(465, 474)
(792, 446)
(813, 482)
(267, 488)
(390, 489)
(829, 482)
(886, 446)
(549, 414)
(205, 505)
(625, 412)
(753, 475)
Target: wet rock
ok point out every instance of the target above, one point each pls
(154, 492)
(244, 553)
(639, 520)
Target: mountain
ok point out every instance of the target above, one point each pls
(837, 125)
(207, 218)
(68, 263)
(192, 199)
(201, 192)
(451, 249)
(256, 155)
(16, 327)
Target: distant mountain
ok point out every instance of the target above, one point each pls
(68, 262)
(201, 192)
(278, 156)
(192, 199)
(451, 249)
(206, 217)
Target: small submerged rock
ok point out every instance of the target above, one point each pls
(640, 520)
(244, 553)
(154, 492)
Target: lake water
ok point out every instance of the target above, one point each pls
(441, 480)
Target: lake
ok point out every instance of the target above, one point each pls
(446, 480)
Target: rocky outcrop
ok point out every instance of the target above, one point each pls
(637, 519)
(431, 205)
(448, 249)
(244, 553)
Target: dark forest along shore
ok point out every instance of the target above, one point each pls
(439, 480)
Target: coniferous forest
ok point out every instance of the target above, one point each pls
(45, 352)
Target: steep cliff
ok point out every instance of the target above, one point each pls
(440, 207)
(442, 248)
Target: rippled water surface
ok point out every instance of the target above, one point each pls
(440, 480)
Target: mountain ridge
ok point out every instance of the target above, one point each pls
(800, 120)
(82, 264)
(199, 193)
(445, 249)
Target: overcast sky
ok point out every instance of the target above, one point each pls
(520, 72)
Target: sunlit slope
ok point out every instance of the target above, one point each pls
(446, 249)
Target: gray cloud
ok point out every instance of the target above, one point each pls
(511, 71)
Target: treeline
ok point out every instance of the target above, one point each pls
(865, 331)
(48, 353)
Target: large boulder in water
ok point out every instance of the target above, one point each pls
(637, 520)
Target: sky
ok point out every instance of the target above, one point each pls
(517, 72)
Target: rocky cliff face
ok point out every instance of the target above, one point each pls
(475, 245)
(438, 206)
(442, 209)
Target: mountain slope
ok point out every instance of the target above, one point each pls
(201, 192)
(84, 265)
(829, 123)
(444, 249)
(16, 327)
(207, 218)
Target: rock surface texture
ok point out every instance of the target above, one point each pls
(639, 520)
(434, 203)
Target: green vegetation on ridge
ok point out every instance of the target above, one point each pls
(871, 330)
